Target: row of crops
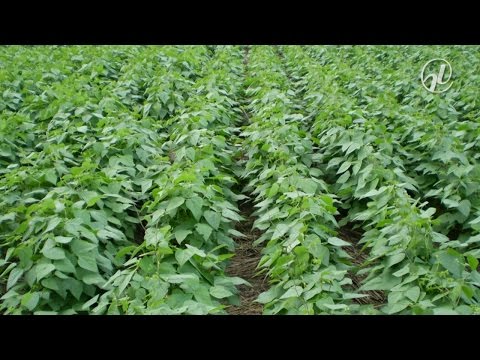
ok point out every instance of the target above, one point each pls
(120, 173)
(107, 169)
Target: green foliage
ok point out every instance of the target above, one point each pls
(89, 169)
(119, 177)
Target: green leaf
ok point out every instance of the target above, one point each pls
(193, 139)
(342, 179)
(181, 234)
(268, 296)
(403, 271)
(91, 236)
(473, 262)
(308, 186)
(236, 233)
(213, 218)
(87, 262)
(344, 167)
(338, 242)
(53, 283)
(232, 215)
(280, 230)
(72, 226)
(473, 222)
(468, 291)
(413, 293)
(90, 197)
(336, 306)
(182, 256)
(354, 146)
(90, 302)
(235, 280)
(273, 190)
(270, 214)
(81, 246)
(146, 184)
(153, 236)
(334, 162)
(318, 250)
(54, 253)
(75, 287)
(147, 264)
(195, 206)
(348, 296)
(13, 277)
(428, 213)
(371, 193)
(179, 278)
(464, 207)
(204, 230)
(25, 256)
(175, 203)
(126, 280)
(30, 300)
(220, 292)
(52, 224)
(439, 238)
(444, 311)
(290, 244)
(473, 239)
(108, 234)
(63, 239)
(451, 203)
(93, 279)
(197, 251)
(394, 259)
(42, 270)
(451, 261)
(9, 267)
(190, 152)
(51, 176)
(384, 282)
(396, 307)
(294, 291)
(11, 217)
(65, 266)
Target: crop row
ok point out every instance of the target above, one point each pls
(305, 261)
(420, 269)
(92, 179)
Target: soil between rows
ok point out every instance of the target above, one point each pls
(244, 265)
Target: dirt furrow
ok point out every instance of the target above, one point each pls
(375, 298)
(244, 265)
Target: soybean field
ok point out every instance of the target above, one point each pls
(239, 180)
